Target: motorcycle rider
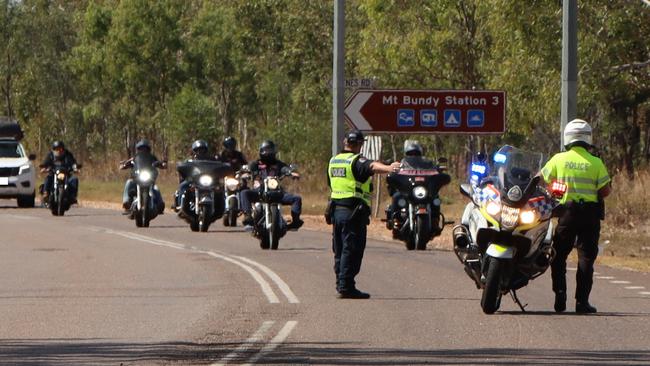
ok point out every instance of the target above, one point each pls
(587, 180)
(200, 151)
(143, 147)
(413, 159)
(59, 156)
(268, 165)
(231, 155)
(349, 177)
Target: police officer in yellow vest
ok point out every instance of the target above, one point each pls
(349, 177)
(587, 182)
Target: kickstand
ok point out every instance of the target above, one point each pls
(513, 293)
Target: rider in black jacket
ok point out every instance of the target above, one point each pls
(59, 156)
(231, 155)
(200, 151)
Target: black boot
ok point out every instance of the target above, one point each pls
(248, 220)
(296, 222)
(560, 301)
(585, 307)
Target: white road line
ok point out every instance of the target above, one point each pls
(275, 342)
(249, 343)
(19, 217)
(286, 290)
(571, 269)
(644, 293)
(619, 282)
(266, 287)
(605, 277)
(634, 287)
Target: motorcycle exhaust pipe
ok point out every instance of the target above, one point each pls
(461, 237)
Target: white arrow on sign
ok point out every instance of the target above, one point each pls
(353, 111)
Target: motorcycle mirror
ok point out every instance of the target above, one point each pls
(442, 161)
(293, 166)
(466, 190)
(32, 157)
(79, 165)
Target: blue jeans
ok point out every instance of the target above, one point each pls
(348, 244)
(73, 185)
(130, 191)
(249, 196)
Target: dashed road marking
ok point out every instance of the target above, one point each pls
(248, 344)
(634, 287)
(619, 282)
(644, 293)
(605, 277)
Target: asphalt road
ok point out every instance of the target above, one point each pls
(90, 288)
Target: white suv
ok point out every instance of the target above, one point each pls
(17, 175)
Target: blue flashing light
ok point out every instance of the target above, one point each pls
(500, 158)
(478, 168)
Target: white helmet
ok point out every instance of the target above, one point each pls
(577, 131)
(412, 147)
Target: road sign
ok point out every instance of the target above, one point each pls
(427, 111)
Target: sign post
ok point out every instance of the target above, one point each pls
(427, 111)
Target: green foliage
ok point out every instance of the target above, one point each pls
(102, 74)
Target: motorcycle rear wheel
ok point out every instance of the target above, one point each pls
(491, 298)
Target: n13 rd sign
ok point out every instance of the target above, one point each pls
(427, 111)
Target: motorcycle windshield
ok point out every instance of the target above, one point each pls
(406, 179)
(513, 170)
(197, 168)
(143, 161)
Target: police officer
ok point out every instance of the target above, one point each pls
(587, 181)
(349, 177)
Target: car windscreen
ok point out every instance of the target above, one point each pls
(10, 150)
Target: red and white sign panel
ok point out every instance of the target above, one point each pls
(427, 111)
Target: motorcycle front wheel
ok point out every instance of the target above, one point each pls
(491, 298)
(204, 223)
(421, 232)
(274, 230)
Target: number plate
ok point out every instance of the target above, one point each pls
(4, 181)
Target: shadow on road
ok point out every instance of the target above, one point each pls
(99, 352)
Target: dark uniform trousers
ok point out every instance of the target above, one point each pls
(580, 221)
(348, 244)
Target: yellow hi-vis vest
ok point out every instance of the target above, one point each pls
(583, 173)
(342, 180)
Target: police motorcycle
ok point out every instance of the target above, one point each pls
(268, 223)
(145, 206)
(232, 189)
(504, 239)
(415, 216)
(202, 203)
(60, 199)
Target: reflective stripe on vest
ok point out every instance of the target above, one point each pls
(342, 180)
(579, 170)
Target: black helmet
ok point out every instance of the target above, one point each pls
(198, 145)
(354, 137)
(58, 144)
(267, 150)
(230, 143)
(143, 144)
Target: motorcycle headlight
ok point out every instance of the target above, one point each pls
(419, 192)
(527, 217)
(205, 180)
(24, 169)
(231, 184)
(493, 208)
(60, 176)
(144, 176)
(272, 183)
